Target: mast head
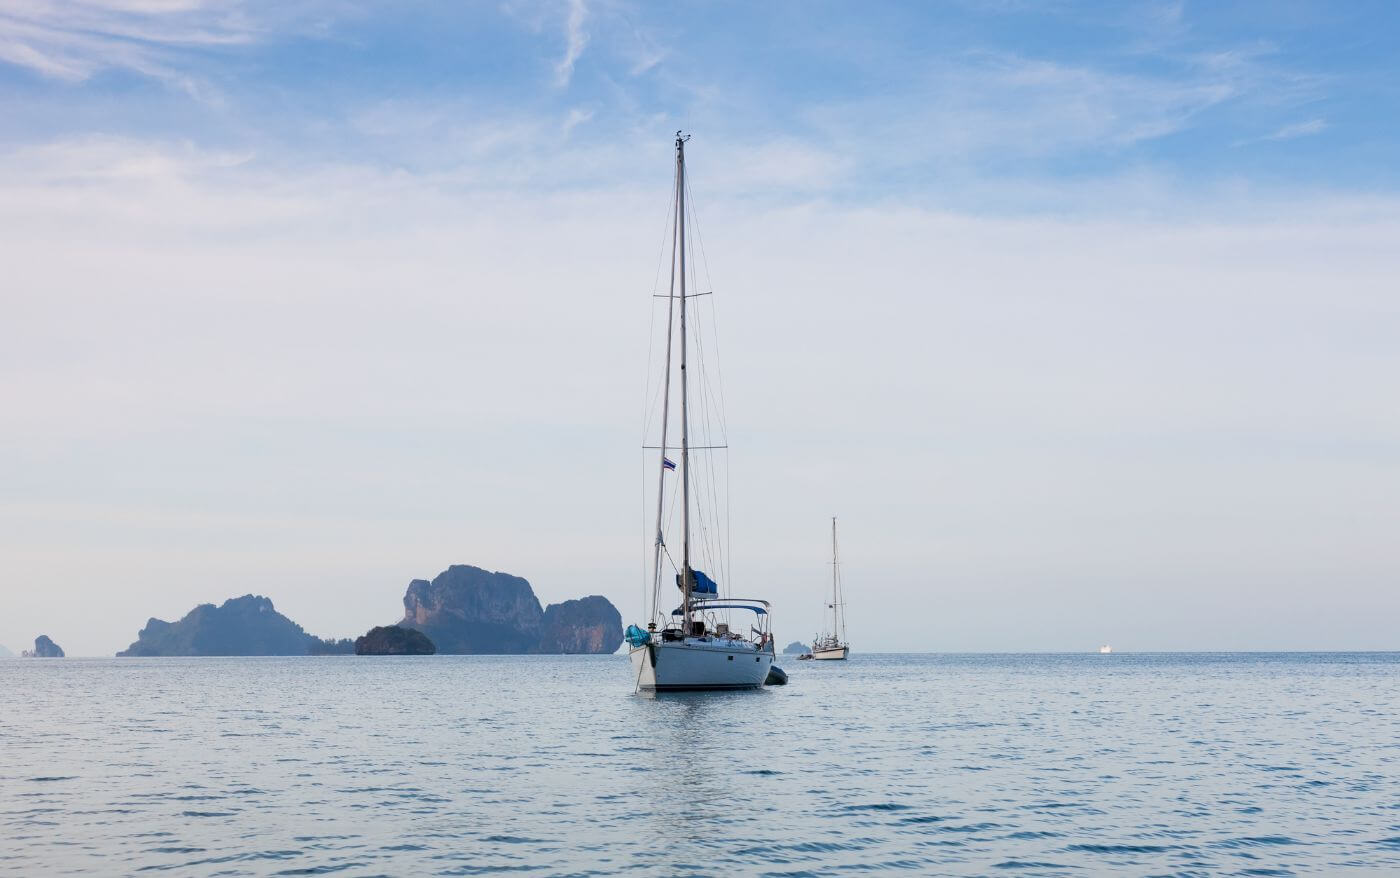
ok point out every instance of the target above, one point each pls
(680, 140)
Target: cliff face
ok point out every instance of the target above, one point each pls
(588, 625)
(249, 625)
(44, 648)
(467, 610)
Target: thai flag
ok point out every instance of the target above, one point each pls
(667, 463)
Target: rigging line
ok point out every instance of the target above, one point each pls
(709, 285)
(668, 522)
(713, 548)
(707, 408)
(649, 405)
(713, 415)
(711, 480)
(721, 406)
(645, 577)
(704, 422)
(728, 525)
(666, 231)
(716, 525)
(690, 196)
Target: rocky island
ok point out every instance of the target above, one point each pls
(796, 648)
(249, 625)
(468, 610)
(393, 640)
(44, 648)
(464, 609)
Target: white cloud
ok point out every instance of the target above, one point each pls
(72, 40)
(576, 38)
(576, 116)
(953, 120)
(1299, 129)
(365, 375)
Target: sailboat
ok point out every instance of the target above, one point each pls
(832, 646)
(694, 646)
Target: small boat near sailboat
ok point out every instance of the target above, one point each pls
(832, 645)
(695, 645)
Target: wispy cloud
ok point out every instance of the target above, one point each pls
(577, 116)
(576, 39)
(166, 40)
(990, 107)
(1299, 129)
(72, 41)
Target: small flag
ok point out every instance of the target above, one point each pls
(667, 463)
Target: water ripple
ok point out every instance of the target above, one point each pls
(446, 765)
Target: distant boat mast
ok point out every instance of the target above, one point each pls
(838, 626)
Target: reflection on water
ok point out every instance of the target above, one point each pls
(445, 765)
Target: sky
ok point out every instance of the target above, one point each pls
(1082, 317)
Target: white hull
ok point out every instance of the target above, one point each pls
(835, 654)
(698, 664)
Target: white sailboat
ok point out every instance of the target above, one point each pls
(832, 646)
(693, 647)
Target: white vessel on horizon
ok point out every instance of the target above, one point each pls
(1105, 649)
(695, 646)
(832, 645)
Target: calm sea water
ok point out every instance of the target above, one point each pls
(1017, 764)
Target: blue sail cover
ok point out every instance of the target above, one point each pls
(704, 585)
(636, 636)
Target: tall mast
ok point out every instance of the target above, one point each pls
(837, 629)
(665, 422)
(686, 576)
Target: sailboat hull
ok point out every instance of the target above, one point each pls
(833, 654)
(692, 664)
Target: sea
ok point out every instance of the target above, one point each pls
(1152, 764)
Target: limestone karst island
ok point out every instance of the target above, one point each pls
(463, 610)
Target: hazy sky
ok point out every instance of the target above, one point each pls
(1082, 317)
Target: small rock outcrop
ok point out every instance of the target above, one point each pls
(5, 653)
(249, 625)
(796, 648)
(44, 648)
(468, 610)
(394, 640)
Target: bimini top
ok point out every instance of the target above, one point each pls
(709, 605)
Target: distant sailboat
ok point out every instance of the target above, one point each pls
(694, 648)
(832, 645)
(1105, 649)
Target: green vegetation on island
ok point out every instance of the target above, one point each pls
(393, 640)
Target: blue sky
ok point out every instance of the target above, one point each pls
(920, 101)
(1080, 316)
